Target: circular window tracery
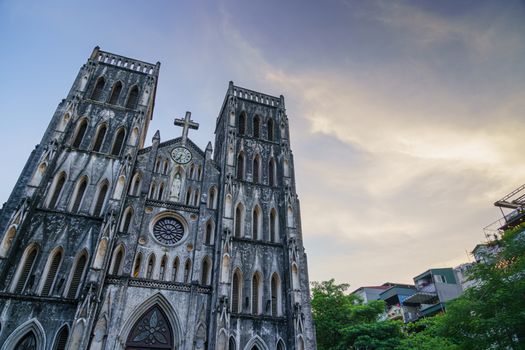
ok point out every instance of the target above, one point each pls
(168, 230)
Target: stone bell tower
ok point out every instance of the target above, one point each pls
(61, 216)
(263, 288)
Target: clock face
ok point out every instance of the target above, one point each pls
(168, 230)
(181, 155)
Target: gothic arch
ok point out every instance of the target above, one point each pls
(101, 253)
(237, 286)
(133, 97)
(212, 198)
(161, 302)
(100, 202)
(274, 226)
(240, 166)
(209, 230)
(239, 220)
(256, 169)
(25, 268)
(79, 194)
(50, 273)
(127, 219)
(80, 132)
(206, 267)
(276, 293)
(56, 189)
(115, 93)
(100, 137)
(256, 341)
(31, 325)
(136, 182)
(120, 187)
(61, 338)
(7, 241)
(117, 260)
(118, 142)
(257, 293)
(78, 271)
(280, 344)
(257, 224)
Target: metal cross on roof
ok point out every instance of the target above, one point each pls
(186, 124)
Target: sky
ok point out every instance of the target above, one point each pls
(406, 118)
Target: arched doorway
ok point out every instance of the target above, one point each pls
(152, 331)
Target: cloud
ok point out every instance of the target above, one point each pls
(417, 162)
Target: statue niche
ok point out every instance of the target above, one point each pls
(151, 331)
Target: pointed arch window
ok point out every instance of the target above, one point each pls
(149, 268)
(128, 215)
(157, 165)
(135, 185)
(119, 142)
(152, 331)
(280, 345)
(57, 187)
(242, 123)
(133, 97)
(162, 270)
(25, 269)
(236, 292)
(240, 166)
(49, 280)
(61, 339)
(79, 135)
(273, 226)
(152, 190)
(270, 130)
(161, 191)
(165, 167)
(212, 195)
(175, 269)
(115, 93)
(196, 198)
(239, 220)
(205, 272)
(99, 88)
(136, 267)
(271, 173)
(99, 138)
(117, 260)
(76, 276)
(256, 127)
(188, 196)
(256, 169)
(276, 295)
(256, 294)
(208, 239)
(101, 199)
(79, 194)
(187, 270)
(231, 344)
(256, 222)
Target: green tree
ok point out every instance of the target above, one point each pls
(492, 314)
(343, 322)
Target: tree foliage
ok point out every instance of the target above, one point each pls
(344, 322)
(490, 315)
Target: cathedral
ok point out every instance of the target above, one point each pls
(106, 243)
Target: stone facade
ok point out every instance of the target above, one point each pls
(107, 244)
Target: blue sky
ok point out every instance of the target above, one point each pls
(406, 117)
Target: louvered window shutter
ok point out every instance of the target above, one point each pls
(51, 274)
(26, 270)
(77, 275)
